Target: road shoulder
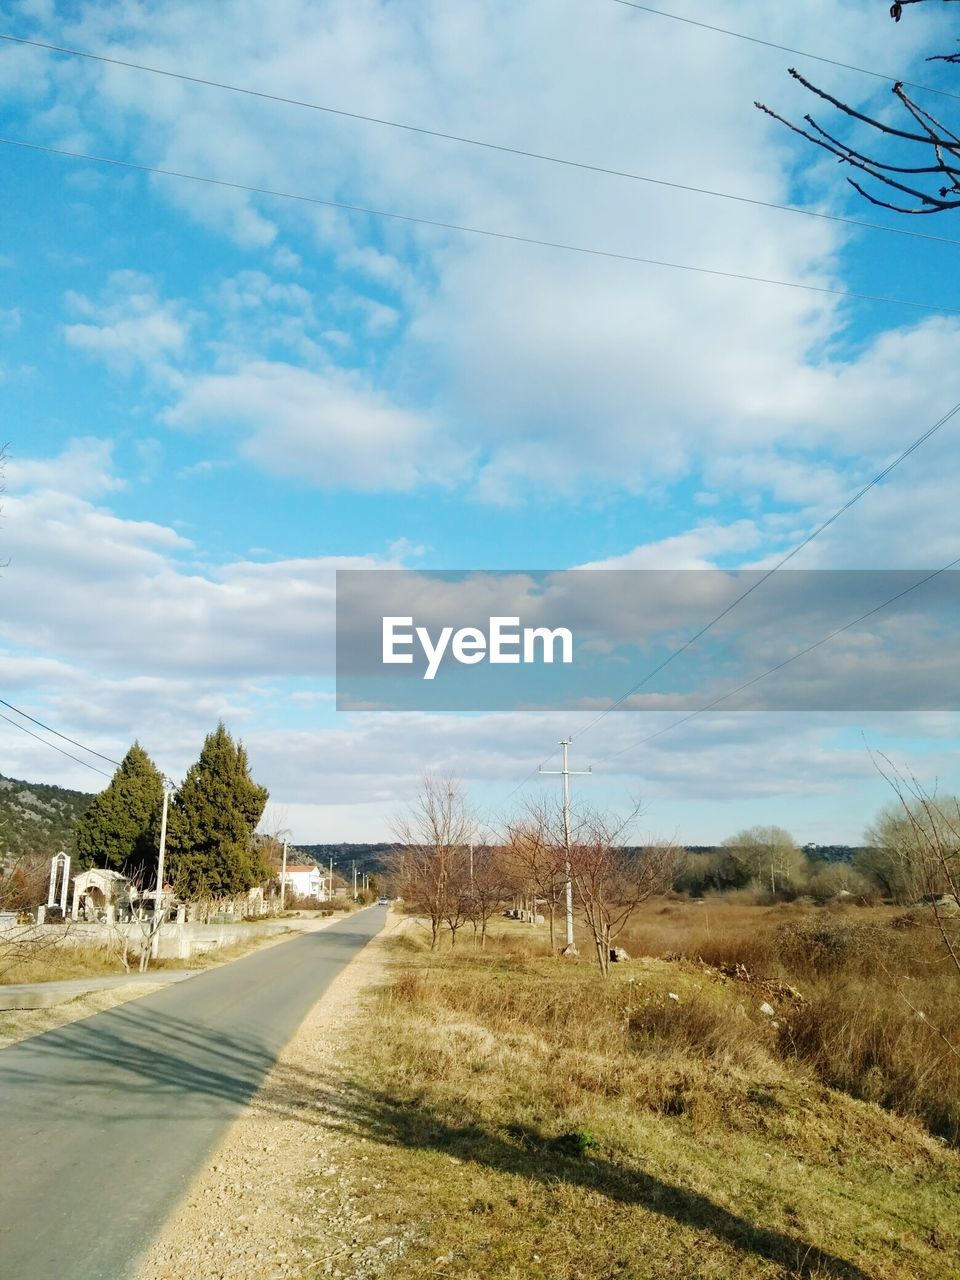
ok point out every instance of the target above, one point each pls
(243, 1216)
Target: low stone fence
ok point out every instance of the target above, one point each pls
(177, 941)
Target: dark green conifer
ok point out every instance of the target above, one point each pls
(213, 819)
(120, 828)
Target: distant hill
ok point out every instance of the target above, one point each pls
(368, 857)
(36, 817)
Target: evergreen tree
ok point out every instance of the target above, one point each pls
(213, 819)
(121, 826)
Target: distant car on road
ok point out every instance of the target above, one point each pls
(383, 902)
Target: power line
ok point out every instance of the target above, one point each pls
(805, 542)
(53, 746)
(465, 140)
(532, 774)
(780, 665)
(564, 247)
(783, 48)
(73, 742)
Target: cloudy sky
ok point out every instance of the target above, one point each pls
(214, 398)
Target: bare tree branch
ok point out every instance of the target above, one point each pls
(939, 142)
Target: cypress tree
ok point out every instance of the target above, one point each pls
(120, 828)
(213, 819)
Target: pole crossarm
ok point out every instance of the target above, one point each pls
(565, 772)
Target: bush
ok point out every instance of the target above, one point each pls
(812, 947)
(867, 1041)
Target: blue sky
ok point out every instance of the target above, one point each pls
(213, 400)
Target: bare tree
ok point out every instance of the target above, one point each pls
(929, 841)
(491, 882)
(134, 924)
(611, 881)
(923, 164)
(22, 888)
(433, 838)
(23, 882)
(767, 856)
(536, 848)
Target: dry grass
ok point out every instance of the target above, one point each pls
(59, 963)
(527, 1119)
(23, 1024)
(56, 964)
(867, 976)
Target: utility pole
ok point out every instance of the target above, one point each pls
(158, 900)
(330, 896)
(354, 882)
(565, 773)
(283, 877)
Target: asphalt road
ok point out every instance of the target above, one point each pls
(105, 1123)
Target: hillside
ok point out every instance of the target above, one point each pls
(36, 817)
(370, 858)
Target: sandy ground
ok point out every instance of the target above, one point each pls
(243, 1215)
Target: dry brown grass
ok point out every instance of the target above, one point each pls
(530, 1119)
(867, 976)
(55, 964)
(59, 963)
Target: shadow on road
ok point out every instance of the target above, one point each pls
(150, 1058)
(139, 1062)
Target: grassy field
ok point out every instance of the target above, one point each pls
(516, 1116)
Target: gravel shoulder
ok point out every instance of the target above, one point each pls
(244, 1215)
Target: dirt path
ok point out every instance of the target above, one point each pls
(242, 1216)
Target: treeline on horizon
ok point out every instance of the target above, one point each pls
(212, 848)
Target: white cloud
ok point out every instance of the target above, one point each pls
(329, 429)
(510, 370)
(699, 548)
(169, 649)
(83, 469)
(129, 327)
(561, 375)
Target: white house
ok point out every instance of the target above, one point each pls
(307, 881)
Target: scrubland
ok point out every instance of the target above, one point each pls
(759, 1091)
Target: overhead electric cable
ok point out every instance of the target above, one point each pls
(73, 742)
(532, 774)
(582, 250)
(805, 542)
(784, 48)
(715, 702)
(53, 746)
(463, 139)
